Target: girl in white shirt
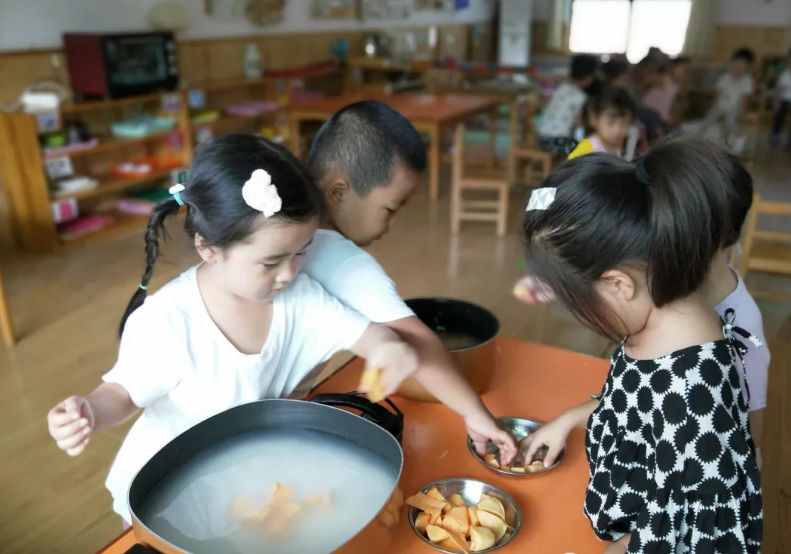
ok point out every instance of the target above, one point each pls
(239, 327)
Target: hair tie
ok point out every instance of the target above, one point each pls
(175, 191)
(641, 172)
(143, 287)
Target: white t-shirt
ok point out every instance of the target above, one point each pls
(176, 363)
(354, 277)
(784, 85)
(732, 91)
(558, 117)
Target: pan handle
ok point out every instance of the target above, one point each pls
(352, 400)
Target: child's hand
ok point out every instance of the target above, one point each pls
(396, 360)
(553, 435)
(482, 427)
(528, 291)
(71, 423)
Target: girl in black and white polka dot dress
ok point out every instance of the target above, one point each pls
(626, 248)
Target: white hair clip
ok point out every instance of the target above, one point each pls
(540, 199)
(260, 194)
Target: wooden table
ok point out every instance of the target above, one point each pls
(531, 381)
(429, 113)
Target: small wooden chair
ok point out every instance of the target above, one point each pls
(462, 209)
(524, 154)
(766, 251)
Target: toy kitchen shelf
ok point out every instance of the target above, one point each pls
(23, 159)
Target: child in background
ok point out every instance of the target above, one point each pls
(369, 161)
(241, 326)
(733, 90)
(627, 248)
(564, 110)
(783, 103)
(663, 96)
(610, 115)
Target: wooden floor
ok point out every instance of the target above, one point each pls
(67, 310)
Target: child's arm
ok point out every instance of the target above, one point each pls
(72, 421)
(553, 435)
(383, 350)
(438, 373)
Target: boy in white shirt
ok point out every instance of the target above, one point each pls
(733, 90)
(783, 103)
(368, 161)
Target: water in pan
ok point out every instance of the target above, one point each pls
(457, 341)
(194, 507)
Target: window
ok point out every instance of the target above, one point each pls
(629, 26)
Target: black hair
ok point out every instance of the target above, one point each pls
(367, 141)
(213, 198)
(680, 60)
(667, 214)
(613, 99)
(740, 189)
(613, 69)
(745, 54)
(584, 65)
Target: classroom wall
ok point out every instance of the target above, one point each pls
(26, 24)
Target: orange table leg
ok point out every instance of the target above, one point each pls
(434, 160)
(6, 323)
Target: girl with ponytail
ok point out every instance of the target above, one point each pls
(627, 248)
(241, 326)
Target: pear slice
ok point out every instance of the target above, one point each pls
(493, 523)
(457, 520)
(481, 539)
(494, 463)
(517, 469)
(436, 534)
(489, 457)
(422, 521)
(472, 513)
(371, 383)
(426, 503)
(460, 541)
(321, 499)
(450, 544)
(280, 494)
(491, 505)
(434, 493)
(436, 519)
(456, 500)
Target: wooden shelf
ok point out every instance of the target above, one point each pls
(111, 183)
(108, 104)
(124, 223)
(229, 118)
(111, 143)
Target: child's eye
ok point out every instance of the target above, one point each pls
(270, 266)
(390, 211)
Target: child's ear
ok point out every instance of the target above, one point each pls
(618, 284)
(209, 254)
(337, 191)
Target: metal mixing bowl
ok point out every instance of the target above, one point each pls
(519, 428)
(471, 491)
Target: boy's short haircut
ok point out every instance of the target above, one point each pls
(613, 69)
(367, 141)
(584, 65)
(616, 100)
(743, 54)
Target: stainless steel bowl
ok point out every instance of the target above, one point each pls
(471, 491)
(519, 428)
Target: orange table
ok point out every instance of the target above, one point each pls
(429, 113)
(532, 381)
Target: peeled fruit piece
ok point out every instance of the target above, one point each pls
(473, 515)
(494, 463)
(435, 519)
(456, 500)
(517, 469)
(489, 457)
(459, 540)
(447, 507)
(450, 544)
(505, 468)
(426, 503)
(434, 493)
(422, 521)
(481, 539)
(436, 534)
(457, 520)
(280, 494)
(370, 382)
(493, 523)
(491, 505)
(322, 499)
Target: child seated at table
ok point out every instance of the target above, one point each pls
(564, 110)
(369, 160)
(627, 248)
(610, 116)
(663, 96)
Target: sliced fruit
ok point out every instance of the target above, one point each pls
(434, 493)
(456, 500)
(491, 505)
(460, 541)
(422, 521)
(436, 519)
(280, 494)
(489, 457)
(450, 544)
(493, 523)
(473, 515)
(494, 463)
(505, 468)
(321, 499)
(426, 503)
(436, 534)
(481, 539)
(370, 382)
(517, 469)
(457, 520)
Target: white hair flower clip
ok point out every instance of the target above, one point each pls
(260, 194)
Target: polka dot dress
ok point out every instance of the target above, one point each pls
(671, 457)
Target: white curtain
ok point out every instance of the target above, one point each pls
(703, 20)
(557, 18)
